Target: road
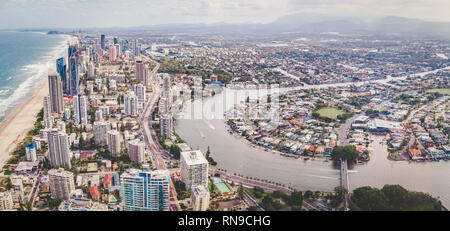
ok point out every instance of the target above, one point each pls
(344, 182)
(343, 130)
(252, 202)
(150, 139)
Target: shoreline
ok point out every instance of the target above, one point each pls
(20, 119)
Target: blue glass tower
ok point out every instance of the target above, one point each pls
(73, 75)
(145, 191)
(61, 69)
(102, 41)
(73, 80)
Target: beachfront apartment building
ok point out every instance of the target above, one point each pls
(194, 169)
(47, 120)
(145, 191)
(30, 152)
(61, 69)
(74, 80)
(58, 148)
(61, 183)
(56, 93)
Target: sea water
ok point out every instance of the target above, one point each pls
(26, 58)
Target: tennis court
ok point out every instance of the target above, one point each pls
(222, 187)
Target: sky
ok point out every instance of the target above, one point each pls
(123, 13)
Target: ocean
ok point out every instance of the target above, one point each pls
(25, 59)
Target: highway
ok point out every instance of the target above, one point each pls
(150, 139)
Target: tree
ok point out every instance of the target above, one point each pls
(175, 150)
(258, 192)
(278, 194)
(241, 192)
(29, 206)
(347, 152)
(267, 203)
(296, 198)
(370, 199)
(54, 203)
(396, 194)
(338, 197)
(308, 194)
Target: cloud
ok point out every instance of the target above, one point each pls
(106, 13)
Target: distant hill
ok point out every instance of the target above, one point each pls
(311, 23)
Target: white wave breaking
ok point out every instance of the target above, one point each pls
(36, 71)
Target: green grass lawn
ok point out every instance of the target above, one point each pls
(444, 91)
(330, 112)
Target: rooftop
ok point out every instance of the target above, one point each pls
(194, 157)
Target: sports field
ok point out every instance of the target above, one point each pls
(222, 187)
(330, 112)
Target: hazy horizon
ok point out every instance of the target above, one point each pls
(116, 13)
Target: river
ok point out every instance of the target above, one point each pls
(237, 156)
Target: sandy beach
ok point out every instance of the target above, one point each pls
(19, 121)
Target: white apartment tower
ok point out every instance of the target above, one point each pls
(91, 70)
(48, 121)
(61, 183)
(136, 150)
(30, 150)
(100, 132)
(166, 86)
(200, 198)
(80, 109)
(139, 91)
(58, 147)
(114, 142)
(194, 169)
(166, 125)
(131, 104)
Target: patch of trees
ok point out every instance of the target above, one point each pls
(393, 198)
(347, 152)
(180, 187)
